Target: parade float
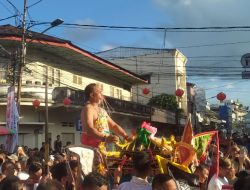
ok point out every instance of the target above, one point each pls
(167, 155)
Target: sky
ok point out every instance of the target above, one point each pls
(213, 55)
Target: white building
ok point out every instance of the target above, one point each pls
(70, 70)
(166, 68)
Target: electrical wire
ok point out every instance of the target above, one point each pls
(167, 29)
(8, 17)
(67, 85)
(29, 6)
(17, 12)
(6, 7)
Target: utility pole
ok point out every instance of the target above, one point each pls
(12, 78)
(22, 59)
(46, 127)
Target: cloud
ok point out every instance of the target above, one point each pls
(229, 86)
(213, 79)
(165, 3)
(107, 47)
(202, 13)
(80, 34)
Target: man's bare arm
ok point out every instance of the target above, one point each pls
(118, 130)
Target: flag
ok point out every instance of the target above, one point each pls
(185, 153)
(187, 133)
(163, 165)
(12, 119)
(201, 142)
(185, 179)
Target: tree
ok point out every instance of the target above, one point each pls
(165, 101)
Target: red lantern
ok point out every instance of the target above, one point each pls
(145, 91)
(66, 102)
(221, 96)
(179, 92)
(36, 103)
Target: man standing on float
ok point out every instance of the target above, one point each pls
(95, 120)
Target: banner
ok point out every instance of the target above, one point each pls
(185, 153)
(187, 133)
(201, 142)
(12, 119)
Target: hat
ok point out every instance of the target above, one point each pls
(13, 157)
(23, 175)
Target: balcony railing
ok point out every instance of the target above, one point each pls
(28, 94)
(117, 105)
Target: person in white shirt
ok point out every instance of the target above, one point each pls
(216, 182)
(142, 168)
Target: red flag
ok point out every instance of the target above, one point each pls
(185, 153)
(187, 133)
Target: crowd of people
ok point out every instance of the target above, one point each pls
(27, 170)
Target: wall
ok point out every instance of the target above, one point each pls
(65, 78)
(168, 73)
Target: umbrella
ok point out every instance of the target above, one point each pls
(6, 131)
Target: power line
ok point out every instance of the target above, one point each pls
(6, 7)
(8, 17)
(34, 4)
(18, 13)
(16, 9)
(167, 29)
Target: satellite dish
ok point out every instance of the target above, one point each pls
(245, 60)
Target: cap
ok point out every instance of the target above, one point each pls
(23, 176)
(13, 157)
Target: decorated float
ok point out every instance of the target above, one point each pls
(167, 155)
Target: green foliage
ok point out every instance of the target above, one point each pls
(165, 101)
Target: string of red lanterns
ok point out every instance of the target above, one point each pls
(179, 92)
(66, 102)
(221, 96)
(145, 91)
(36, 103)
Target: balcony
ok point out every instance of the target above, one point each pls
(116, 105)
(28, 93)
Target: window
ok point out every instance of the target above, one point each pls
(118, 94)
(44, 74)
(80, 80)
(178, 80)
(57, 77)
(100, 85)
(28, 82)
(74, 79)
(2, 74)
(51, 75)
(38, 83)
(112, 91)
